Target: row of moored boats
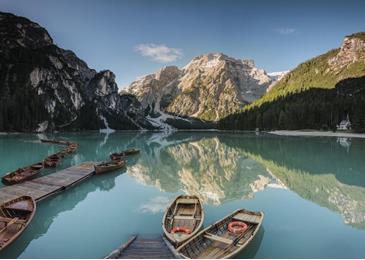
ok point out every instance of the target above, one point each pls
(51, 161)
(16, 214)
(117, 161)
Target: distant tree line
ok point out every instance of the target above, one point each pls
(320, 109)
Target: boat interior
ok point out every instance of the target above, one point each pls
(217, 241)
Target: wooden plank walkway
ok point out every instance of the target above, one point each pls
(143, 248)
(43, 187)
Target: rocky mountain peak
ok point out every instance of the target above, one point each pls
(209, 87)
(103, 84)
(18, 31)
(352, 50)
(57, 88)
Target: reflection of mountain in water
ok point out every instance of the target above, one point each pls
(318, 169)
(204, 166)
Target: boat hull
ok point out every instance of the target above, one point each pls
(19, 176)
(104, 167)
(185, 214)
(15, 215)
(217, 241)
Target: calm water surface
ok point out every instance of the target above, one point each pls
(312, 191)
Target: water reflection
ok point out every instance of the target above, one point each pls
(321, 170)
(219, 168)
(48, 210)
(204, 166)
(222, 168)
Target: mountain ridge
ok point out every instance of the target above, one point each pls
(59, 91)
(209, 87)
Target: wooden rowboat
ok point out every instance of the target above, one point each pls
(109, 166)
(183, 219)
(15, 215)
(37, 166)
(19, 175)
(116, 156)
(51, 161)
(223, 239)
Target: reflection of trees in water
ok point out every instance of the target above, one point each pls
(313, 155)
(319, 170)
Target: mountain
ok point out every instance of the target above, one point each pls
(44, 87)
(209, 87)
(318, 94)
(276, 76)
(323, 71)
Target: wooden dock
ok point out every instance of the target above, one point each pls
(43, 187)
(144, 248)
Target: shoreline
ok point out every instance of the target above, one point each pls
(316, 133)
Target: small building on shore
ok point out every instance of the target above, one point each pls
(344, 124)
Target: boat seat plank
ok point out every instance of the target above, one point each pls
(184, 217)
(187, 201)
(7, 220)
(218, 238)
(247, 218)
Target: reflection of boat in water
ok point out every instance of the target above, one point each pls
(52, 207)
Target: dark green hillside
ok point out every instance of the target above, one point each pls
(312, 109)
(323, 71)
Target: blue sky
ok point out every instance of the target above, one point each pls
(137, 37)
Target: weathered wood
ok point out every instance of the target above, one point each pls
(141, 248)
(216, 241)
(183, 219)
(15, 217)
(43, 187)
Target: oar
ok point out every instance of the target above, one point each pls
(11, 222)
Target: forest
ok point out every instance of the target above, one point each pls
(316, 108)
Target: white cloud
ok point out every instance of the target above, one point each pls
(159, 52)
(155, 205)
(285, 31)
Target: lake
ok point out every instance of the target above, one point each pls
(311, 189)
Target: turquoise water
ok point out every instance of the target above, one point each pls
(312, 191)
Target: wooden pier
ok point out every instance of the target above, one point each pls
(43, 187)
(144, 248)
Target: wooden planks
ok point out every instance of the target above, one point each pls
(43, 187)
(142, 248)
(247, 218)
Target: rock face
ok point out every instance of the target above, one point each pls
(45, 87)
(210, 87)
(155, 91)
(352, 50)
